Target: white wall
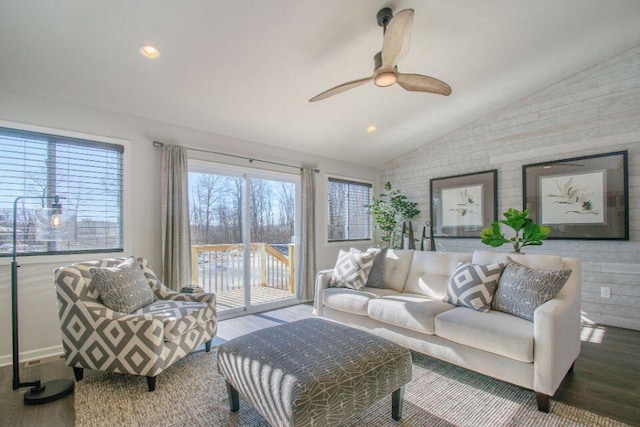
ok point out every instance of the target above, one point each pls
(39, 326)
(594, 111)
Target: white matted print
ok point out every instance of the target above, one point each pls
(462, 206)
(573, 199)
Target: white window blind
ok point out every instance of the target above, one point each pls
(349, 217)
(86, 174)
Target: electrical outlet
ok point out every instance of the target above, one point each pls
(605, 292)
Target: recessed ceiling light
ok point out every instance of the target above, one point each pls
(149, 51)
(372, 129)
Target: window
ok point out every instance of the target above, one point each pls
(87, 175)
(349, 217)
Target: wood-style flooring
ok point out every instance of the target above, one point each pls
(606, 378)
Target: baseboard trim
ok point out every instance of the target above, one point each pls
(28, 356)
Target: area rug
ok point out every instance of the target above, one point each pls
(192, 393)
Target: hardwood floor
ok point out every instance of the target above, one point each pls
(606, 378)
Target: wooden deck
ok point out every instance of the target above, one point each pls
(226, 300)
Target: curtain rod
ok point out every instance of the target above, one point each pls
(250, 159)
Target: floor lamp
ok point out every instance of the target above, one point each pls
(39, 392)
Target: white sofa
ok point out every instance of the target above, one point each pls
(410, 311)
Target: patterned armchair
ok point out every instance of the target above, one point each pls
(145, 342)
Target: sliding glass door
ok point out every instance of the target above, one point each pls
(243, 228)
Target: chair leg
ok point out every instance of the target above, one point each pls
(207, 345)
(234, 400)
(396, 403)
(543, 402)
(151, 383)
(78, 373)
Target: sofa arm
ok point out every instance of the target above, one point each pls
(206, 297)
(322, 283)
(557, 335)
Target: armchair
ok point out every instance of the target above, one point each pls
(145, 342)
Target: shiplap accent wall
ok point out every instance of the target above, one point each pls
(594, 111)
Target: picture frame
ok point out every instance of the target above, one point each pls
(462, 205)
(580, 198)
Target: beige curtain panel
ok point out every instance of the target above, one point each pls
(307, 269)
(176, 240)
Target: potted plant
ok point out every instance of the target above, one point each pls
(527, 232)
(389, 211)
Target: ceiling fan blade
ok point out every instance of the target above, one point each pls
(339, 89)
(419, 83)
(396, 38)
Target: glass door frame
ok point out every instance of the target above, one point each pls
(247, 174)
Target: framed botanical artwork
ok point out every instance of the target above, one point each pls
(462, 205)
(580, 198)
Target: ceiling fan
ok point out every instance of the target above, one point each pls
(395, 45)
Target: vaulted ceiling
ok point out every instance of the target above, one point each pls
(246, 68)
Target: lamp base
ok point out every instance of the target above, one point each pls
(51, 391)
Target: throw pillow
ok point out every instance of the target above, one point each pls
(351, 270)
(376, 275)
(522, 289)
(122, 288)
(473, 285)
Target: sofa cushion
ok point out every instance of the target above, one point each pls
(415, 312)
(430, 272)
(123, 287)
(473, 285)
(546, 262)
(495, 332)
(522, 289)
(351, 270)
(351, 300)
(179, 317)
(396, 268)
(376, 274)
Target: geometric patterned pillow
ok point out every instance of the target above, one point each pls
(473, 285)
(122, 288)
(376, 274)
(351, 270)
(522, 289)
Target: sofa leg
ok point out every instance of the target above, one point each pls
(543, 402)
(571, 368)
(207, 345)
(78, 373)
(151, 383)
(396, 403)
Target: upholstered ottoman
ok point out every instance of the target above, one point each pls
(313, 372)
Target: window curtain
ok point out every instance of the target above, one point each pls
(176, 239)
(307, 268)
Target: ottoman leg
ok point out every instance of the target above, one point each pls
(234, 400)
(396, 403)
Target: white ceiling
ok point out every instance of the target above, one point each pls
(246, 68)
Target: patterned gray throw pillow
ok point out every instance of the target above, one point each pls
(522, 289)
(351, 270)
(122, 288)
(473, 285)
(376, 275)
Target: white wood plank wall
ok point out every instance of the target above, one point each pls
(594, 111)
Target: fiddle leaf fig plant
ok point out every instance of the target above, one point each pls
(389, 211)
(527, 233)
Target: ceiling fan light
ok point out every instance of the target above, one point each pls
(385, 79)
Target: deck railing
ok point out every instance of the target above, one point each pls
(219, 268)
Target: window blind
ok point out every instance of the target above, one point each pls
(349, 217)
(87, 174)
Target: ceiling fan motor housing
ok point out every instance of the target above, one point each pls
(384, 16)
